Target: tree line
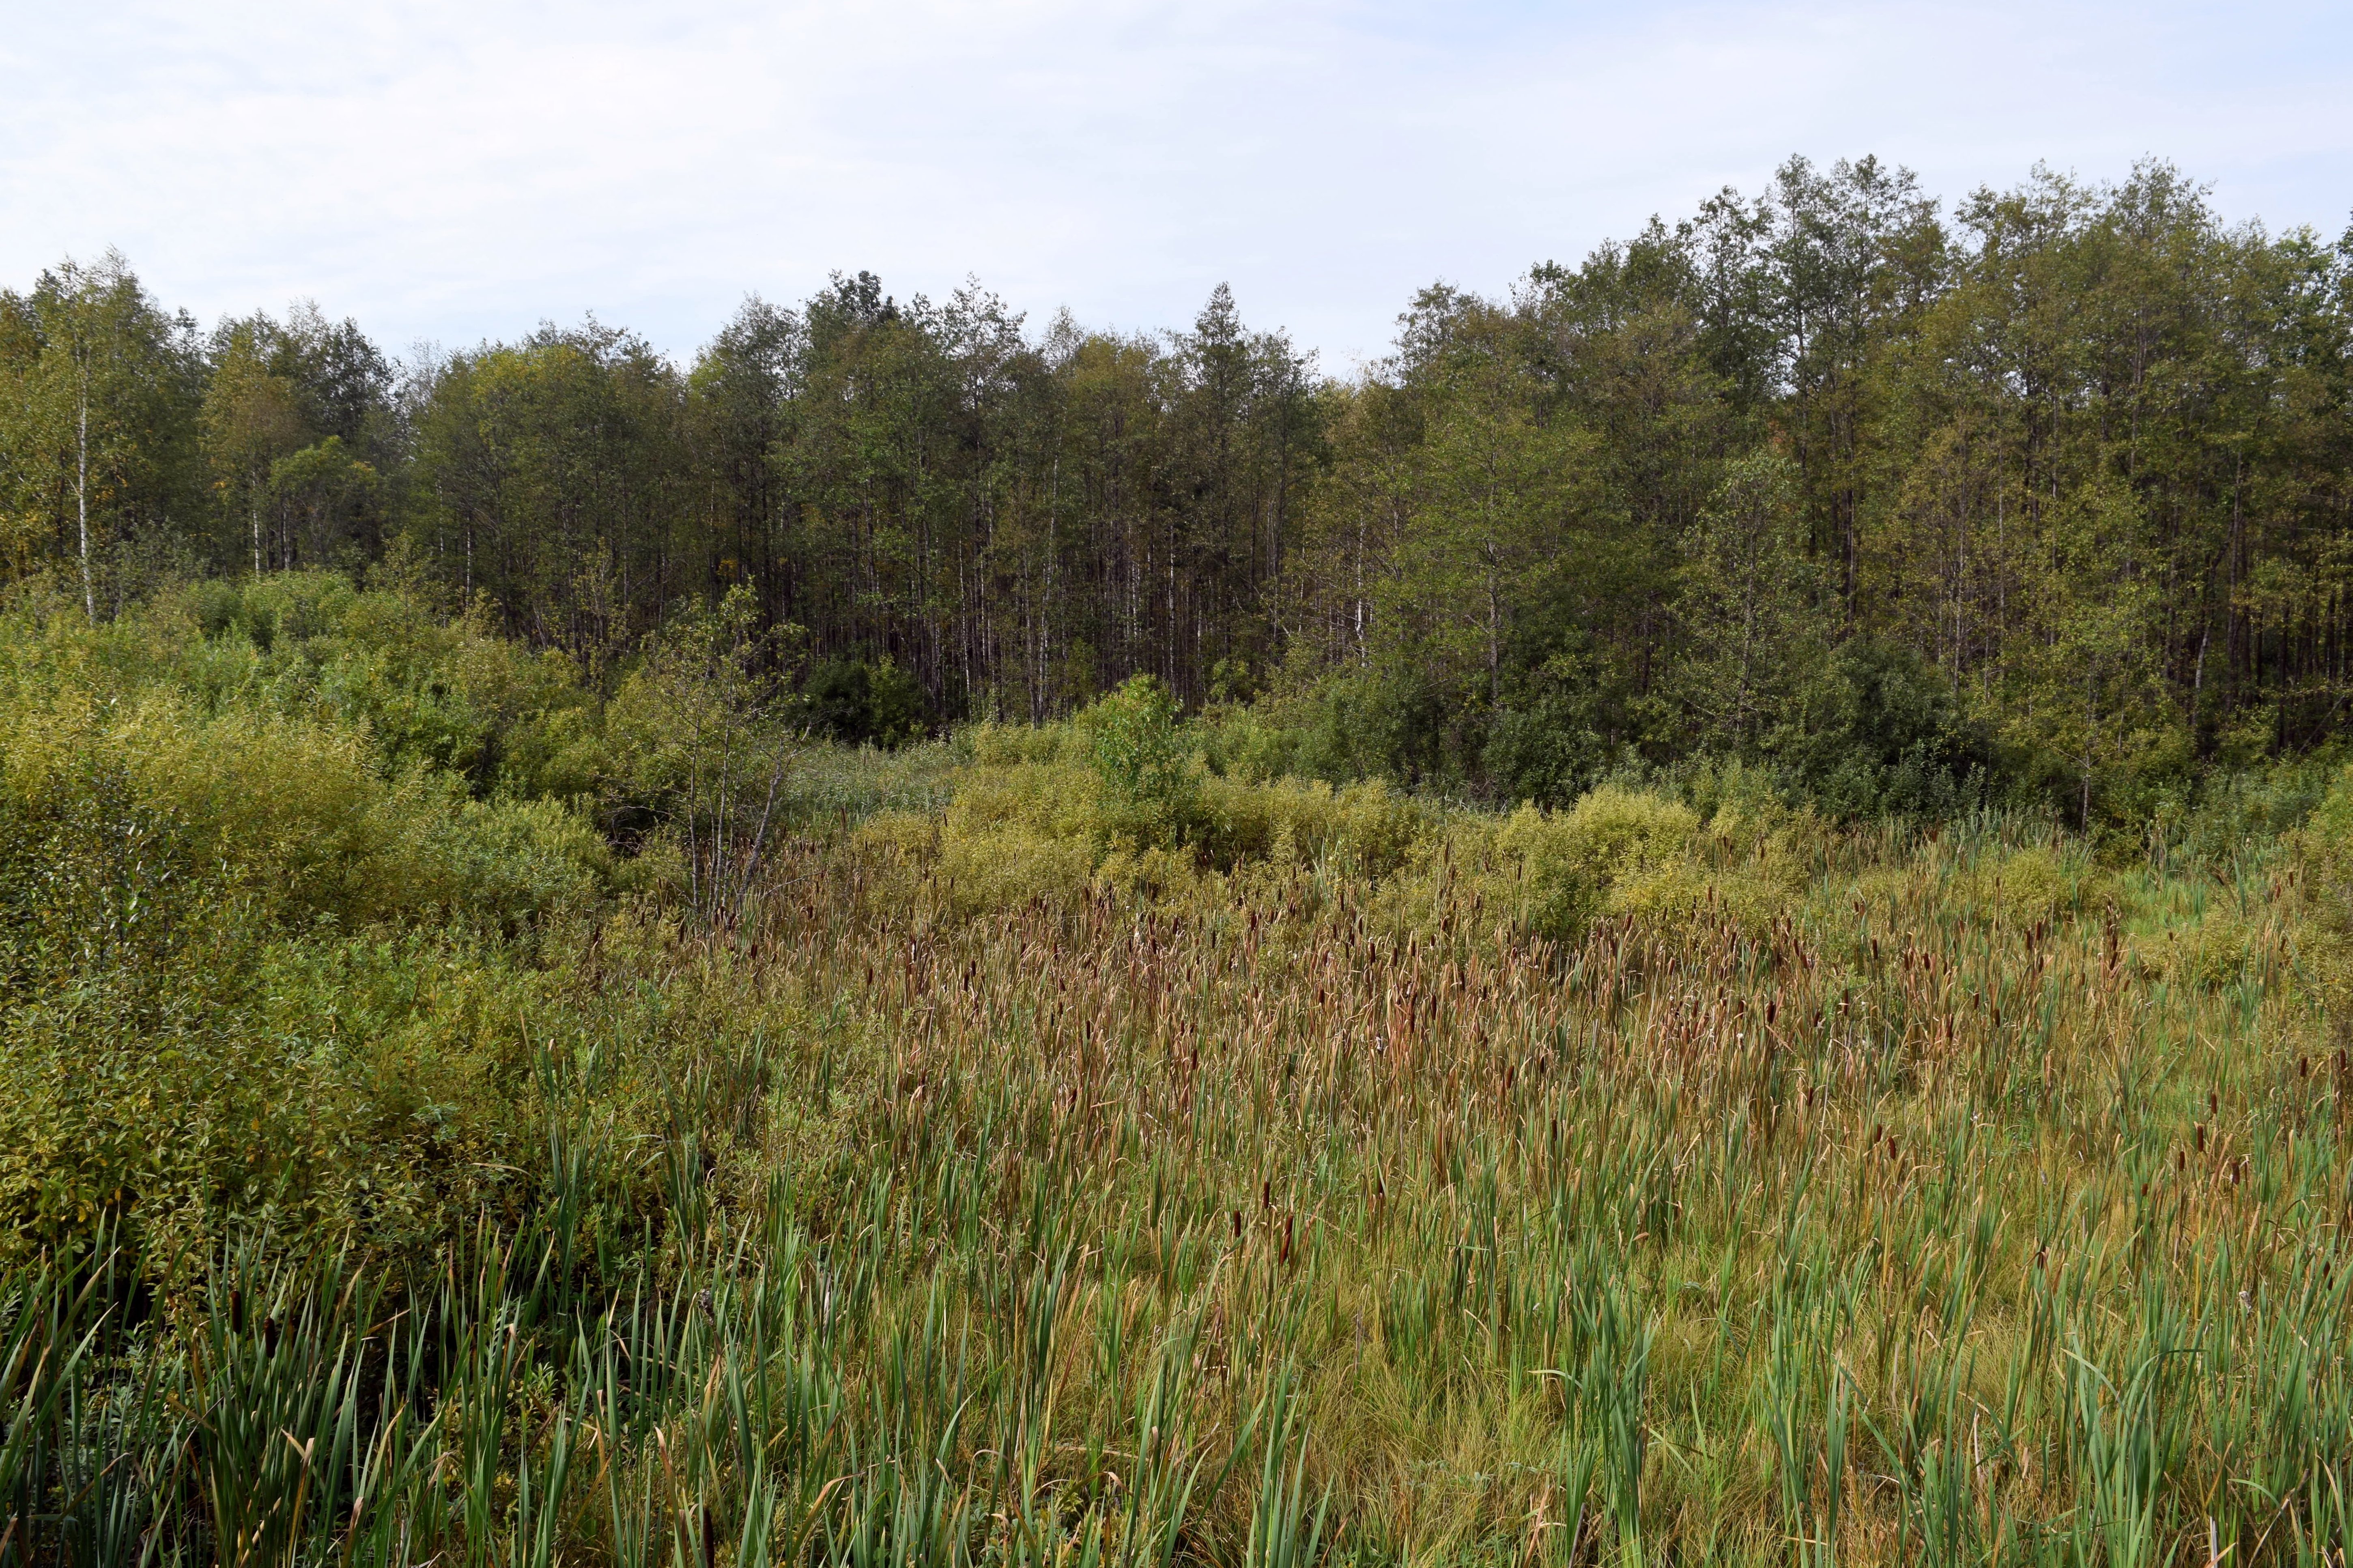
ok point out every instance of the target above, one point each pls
(2049, 496)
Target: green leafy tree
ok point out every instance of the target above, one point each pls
(2089, 699)
(328, 503)
(740, 397)
(1140, 758)
(250, 421)
(95, 385)
(1750, 605)
(1493, 488)
(554, 475)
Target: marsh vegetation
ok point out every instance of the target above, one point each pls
(455, 1108)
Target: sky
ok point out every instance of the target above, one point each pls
(452, 170)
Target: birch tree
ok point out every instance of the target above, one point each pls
(97, 385)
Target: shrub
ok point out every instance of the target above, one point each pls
(208, 851)
(1140, 762)
(1012, 865)
(1887, 735)
(2020, 887)
(1000, 745)
(1566, 863)
(862, 703)
(2206, 953)
(1367, 829)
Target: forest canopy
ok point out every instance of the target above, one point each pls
(2045, 498)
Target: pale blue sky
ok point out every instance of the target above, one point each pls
(456, 169)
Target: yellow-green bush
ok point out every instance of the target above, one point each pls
(1683, 895)
(1041, 798)
(1009, 837)
(512, 859)
(1566, 864)
(443, 692)
(210, 855)
(1007, 865)
(2324, 847)
(1002, 746)
(2208, 953)
(299, 812)
(368, 1087)
(1025, 825)
(2021, 887)
(1369, 828)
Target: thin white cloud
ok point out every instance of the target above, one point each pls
(453, 171)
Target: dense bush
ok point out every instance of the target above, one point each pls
(292, 876)
(857, 703)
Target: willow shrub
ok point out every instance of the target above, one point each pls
(257, 958)
(1125, 802)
